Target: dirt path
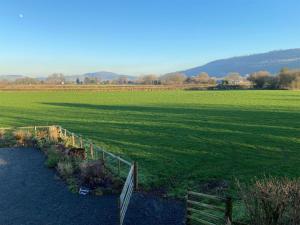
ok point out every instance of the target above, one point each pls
(30, 194)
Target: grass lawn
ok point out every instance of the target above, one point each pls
(179, 138)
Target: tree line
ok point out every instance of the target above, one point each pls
(285, 79)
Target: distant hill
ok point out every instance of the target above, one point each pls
(270, 61)
(102, 75)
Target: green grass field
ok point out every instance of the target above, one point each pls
(179, 138)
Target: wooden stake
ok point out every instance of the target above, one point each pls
(103, 157)
(81, 143)
(59, 132)
(73, 140)
(92, 150)
(228, 211)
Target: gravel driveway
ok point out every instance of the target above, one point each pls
(30, 194)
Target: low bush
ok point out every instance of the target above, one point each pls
(78, 153)
(272, 201)
(92, 172)
(65, 169)
(53, 157)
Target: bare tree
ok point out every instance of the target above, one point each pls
(56, 78)
(148, 79)
(260, 79)
(202, 78)
(289, 79)
(26, 80)
(173, 78)
(91, 80)
(122, 80)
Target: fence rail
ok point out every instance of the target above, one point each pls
(208, 209)
(115, 163)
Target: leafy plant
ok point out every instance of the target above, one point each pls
(53, 157)
(72, 185)
(65, 169)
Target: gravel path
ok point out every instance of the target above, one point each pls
(30, 194)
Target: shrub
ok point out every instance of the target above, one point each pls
(92, 172)
(78, 153)
(65, 169)
(53, 157)
(272, 201)
(22, 137)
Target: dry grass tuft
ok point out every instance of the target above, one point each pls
(53, 133)
(23, 137)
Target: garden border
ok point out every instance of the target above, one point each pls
(92, 152)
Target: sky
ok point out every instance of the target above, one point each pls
(136, 37)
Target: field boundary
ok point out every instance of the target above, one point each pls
(102, 88)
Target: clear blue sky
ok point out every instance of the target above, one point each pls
(39, 37)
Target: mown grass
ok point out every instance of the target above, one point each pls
(180, 138)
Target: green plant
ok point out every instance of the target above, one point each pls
(53, 157)
(65, 169)
(98, 191)
(72, 185)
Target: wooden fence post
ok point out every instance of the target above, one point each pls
(65, 133)
(60, 132)
(73, 140)
(49, 132)
(81, 143)
(103, 156)
(135, 176)
(92, 150)
(228, 211)
(34, 130)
